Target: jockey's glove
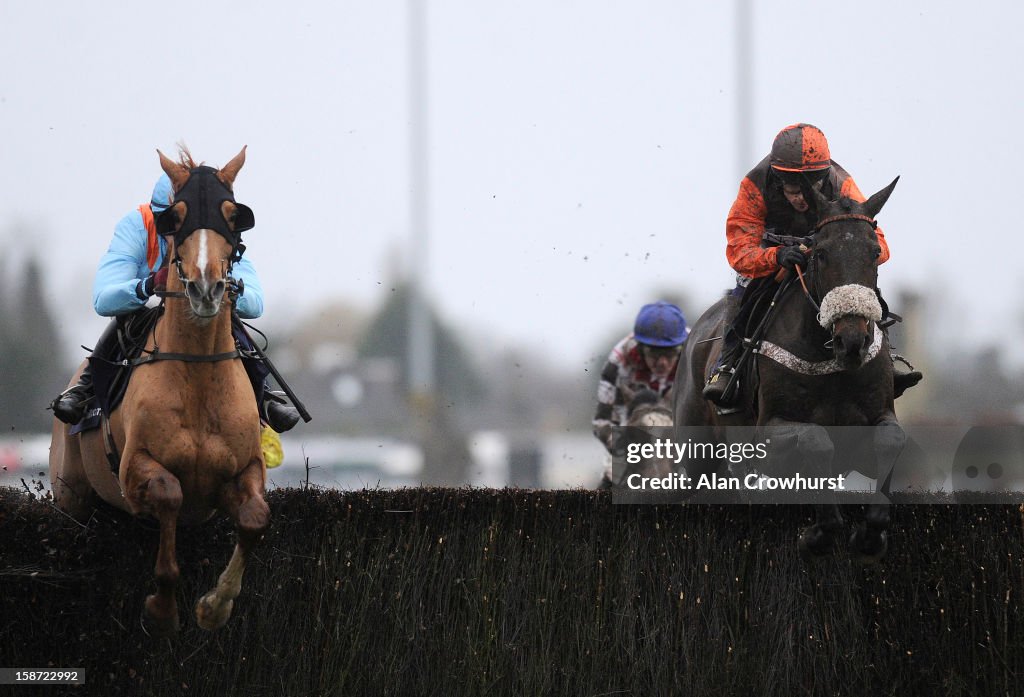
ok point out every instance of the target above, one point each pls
(789, 257)
(153, 282)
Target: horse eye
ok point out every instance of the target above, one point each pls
(821, 256)
(877, 252)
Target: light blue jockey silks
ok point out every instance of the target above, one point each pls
(124, 265)
(162, 194)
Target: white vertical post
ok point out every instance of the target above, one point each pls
(744, 88)
(421, 339)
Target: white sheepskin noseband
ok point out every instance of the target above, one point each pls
(852, 299)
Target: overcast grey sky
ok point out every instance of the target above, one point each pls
(582, 154)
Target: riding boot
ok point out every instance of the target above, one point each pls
(904, 376)
(281, 416)
(714, 390)
(70, 405)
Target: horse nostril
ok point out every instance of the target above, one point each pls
(218, 289)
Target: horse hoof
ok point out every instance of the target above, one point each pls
(815, 543)
(869, 548)
(210, 615)
(158, 627)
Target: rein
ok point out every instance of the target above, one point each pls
(157, 355)
(807, 293)
(809, 242)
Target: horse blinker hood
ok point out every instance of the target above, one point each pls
(203, 195)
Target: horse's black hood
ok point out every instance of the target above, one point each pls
(203, 194)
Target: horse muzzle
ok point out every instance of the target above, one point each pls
(205, 297)
(848, 312)
(851, 341)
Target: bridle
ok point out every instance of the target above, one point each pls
(236, 286)
(807, 242)
(203, 193)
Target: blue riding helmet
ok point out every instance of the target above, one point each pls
(660, 324)
(162, 194)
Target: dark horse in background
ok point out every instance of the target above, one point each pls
(824, 362)
(647, 414)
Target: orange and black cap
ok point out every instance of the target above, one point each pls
(800, 147)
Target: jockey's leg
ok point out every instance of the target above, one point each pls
(71, 404)
(273, 407)
(732, 345)
(904, 375)
(714, 390)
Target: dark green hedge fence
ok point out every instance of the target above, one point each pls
(479, 592)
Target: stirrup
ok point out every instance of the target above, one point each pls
(72, 412)
(274, 396)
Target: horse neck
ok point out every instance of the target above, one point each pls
(796, 325)
(179, 332)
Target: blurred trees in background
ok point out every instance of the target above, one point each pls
(455, 377)
(31, 369)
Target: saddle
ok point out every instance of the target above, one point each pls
(112, 365)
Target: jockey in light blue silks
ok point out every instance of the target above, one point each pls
(130, 272)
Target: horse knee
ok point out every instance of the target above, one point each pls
(814, 441)
(812, 450)
(890, 437)
(253, 516)
(163, 493)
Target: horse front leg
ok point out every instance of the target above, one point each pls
(242, 499)
(869, 541)
(152, 490)
(808, 449)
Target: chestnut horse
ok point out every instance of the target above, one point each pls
(823, 363)
(188, 429)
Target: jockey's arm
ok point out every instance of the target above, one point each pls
(121, 269)
(850, 190)
(117, 279)
(744, 230)
(610, 411)
(250, 303)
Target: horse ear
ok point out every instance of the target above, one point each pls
(229, 171)
(874, 204)
(177, 172)
(820, 201)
